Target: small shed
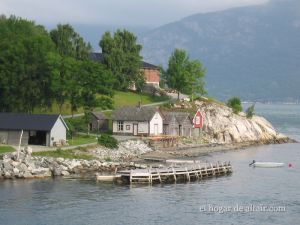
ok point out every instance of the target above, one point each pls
(177, 124)
(38, 129)
(99, 122)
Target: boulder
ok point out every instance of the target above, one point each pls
(41, 172)
(65, 173)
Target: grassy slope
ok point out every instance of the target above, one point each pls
(6, 148)
(120, 99)
(130, 98)
(80, 140)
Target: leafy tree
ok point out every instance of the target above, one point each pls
(94, 80)
(250, 111)
(185, 75)
(72, 49)
(121, 55)
(235, 104)
(69, 43)
(25, 74)
(163, 78)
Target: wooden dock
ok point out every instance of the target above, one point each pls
(190, 172)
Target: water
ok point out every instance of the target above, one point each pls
(69, 201)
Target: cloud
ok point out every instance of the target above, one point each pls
(114, 12)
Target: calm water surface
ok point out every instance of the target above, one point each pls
(67, 201)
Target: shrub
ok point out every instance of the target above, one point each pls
(250, 112)
(76, 124)
(235, 104)
(108, 141)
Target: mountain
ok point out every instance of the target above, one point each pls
(252, 52)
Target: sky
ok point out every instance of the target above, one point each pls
(141, 13)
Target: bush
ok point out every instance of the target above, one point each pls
(76, 124)
(250, 112)
(108, 141)
(235, 104)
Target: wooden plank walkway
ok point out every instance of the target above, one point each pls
(190, 172)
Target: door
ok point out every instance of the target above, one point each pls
(135, 129)
(155, 129)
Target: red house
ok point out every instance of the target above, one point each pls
(151, 73)
(198, 120)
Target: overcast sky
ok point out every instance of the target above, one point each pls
(145, 13)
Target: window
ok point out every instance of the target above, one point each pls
(127, 127)
(120, 125)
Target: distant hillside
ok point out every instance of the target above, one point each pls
(252, 52)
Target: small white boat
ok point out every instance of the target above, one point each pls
(266, 164)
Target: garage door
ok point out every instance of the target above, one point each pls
(14, 137)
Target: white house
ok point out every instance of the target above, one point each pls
(147, 121)
(37, 129)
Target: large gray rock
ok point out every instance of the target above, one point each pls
(221, 125)
(65, 173)
(41, 172)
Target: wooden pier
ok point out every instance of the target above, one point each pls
(190, 172)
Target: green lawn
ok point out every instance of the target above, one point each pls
(80, 153)
(131, 98)
(120, 99)
(81, 140)
(6, 148)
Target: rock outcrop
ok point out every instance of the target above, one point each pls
(221, 125)
(126, 151)
(27, 166)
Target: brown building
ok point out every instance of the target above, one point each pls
(98, 122)
(151, 73)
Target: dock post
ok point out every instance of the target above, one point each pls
(196, 172)
(159, 177)
(200, 171)
(130, 177)
(213, 169)
(206, 173)
(174, 173)
(150, 175)
(187, 174)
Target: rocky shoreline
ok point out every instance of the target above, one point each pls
(28, 166)
(196, 150)
(131, 154)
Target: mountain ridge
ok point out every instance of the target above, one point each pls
(255, 48)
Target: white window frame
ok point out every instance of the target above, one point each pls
(120, 125)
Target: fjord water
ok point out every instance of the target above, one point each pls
(83, 201)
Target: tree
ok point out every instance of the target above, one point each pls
(185, 75)
(163, 77)
(25, 74)
(72, 50)
(69, 43)
(121, 55)
(235, 104)
(250, 111)
(94, 79)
